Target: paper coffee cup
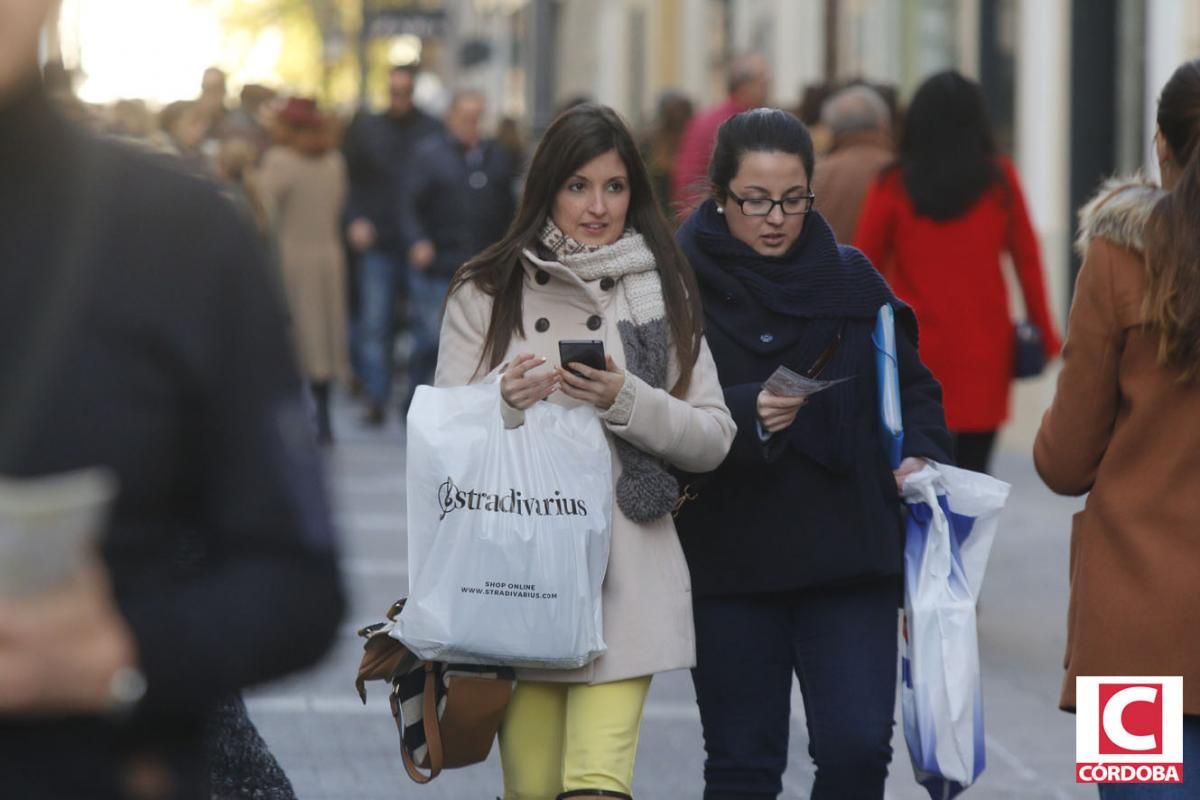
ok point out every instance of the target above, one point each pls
(49, 526)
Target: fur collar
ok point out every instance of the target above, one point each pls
(1118, 212)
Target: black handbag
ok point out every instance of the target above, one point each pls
(1029, 350)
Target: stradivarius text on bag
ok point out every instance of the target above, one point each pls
(452, 498)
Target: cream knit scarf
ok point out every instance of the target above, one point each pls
(646, 490)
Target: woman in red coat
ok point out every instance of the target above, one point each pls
(936, 223)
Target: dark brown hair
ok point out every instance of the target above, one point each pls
(1172, 303)
(947, 154)
(760, 130)
(577, 136)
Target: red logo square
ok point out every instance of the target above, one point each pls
(1131, 719)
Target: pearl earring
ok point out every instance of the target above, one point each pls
(720, 210)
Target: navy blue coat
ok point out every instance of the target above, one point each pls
(816, 504)
(461, 201)
(379, 149)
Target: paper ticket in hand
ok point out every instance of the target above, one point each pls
(786, 383)
(49, 527)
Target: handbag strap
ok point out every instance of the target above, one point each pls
(433, 730)
(827, 354)
(58, 309)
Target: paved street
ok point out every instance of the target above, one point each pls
(334, 749)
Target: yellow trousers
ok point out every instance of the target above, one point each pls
(559, 737)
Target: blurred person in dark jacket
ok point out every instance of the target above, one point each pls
(132, 121)
(860, 124)
(254, 118)
(211, 104)
(168, 365)
(183, 123)
(458, 199)
(377, 150)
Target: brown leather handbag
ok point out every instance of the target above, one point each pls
(447, 714)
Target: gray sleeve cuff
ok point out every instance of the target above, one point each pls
(621, 411)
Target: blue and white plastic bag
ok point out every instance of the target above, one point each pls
(508, 531)
(951, 523)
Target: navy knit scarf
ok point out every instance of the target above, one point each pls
(815, 279)
(789, 308)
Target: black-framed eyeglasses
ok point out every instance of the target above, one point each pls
(793, 205)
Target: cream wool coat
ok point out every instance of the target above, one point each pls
(647, 591)
(304, 198)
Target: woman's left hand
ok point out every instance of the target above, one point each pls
(597, 387)
(907, 467)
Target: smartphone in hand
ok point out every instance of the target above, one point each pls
(589, 352)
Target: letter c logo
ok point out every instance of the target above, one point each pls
(446, 494)
(1114, 710)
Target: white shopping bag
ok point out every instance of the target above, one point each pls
(508, 531)
(952, 519)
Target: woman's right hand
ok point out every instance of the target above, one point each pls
(520, 390)
(776, 412)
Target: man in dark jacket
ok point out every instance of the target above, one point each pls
(458, 199)
(377, 150)
(140, 318)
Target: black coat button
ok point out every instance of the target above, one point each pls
(542, 325)
(607, 283)
(594, 322)
(542, 277)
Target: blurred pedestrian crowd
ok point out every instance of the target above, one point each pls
(188, 343)
(365, 216)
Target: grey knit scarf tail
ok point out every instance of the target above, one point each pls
(645, 490)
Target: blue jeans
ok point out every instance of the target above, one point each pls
(379, 277)
(841, 644)
(1166, 791)
(426, 297)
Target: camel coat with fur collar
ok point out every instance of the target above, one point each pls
(1124, 429)
(647, 591)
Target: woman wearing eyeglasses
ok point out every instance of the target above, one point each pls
(794, 543)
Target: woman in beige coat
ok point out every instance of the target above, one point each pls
(303, 188)
(590, 256)
(1125, 426)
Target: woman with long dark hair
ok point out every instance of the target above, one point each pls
(590, 256)
(1125, 428)
(794, 544)
(937, 223)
